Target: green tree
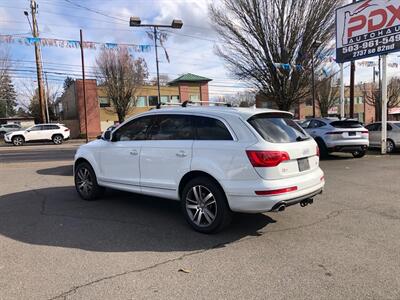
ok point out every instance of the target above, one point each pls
(8, 97)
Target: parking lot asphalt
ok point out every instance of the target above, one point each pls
(55, 246)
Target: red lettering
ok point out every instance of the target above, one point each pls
(361, 20)
(396, 14)
(379, 12)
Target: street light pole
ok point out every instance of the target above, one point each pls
(176, 24)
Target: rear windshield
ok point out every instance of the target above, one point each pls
(278, 128)
(346, 124)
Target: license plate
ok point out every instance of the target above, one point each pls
(352, 133)
(304, 164)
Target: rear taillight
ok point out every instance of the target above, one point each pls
(318, 152)
(66, 129)
(364, 132)
(267, 158)
(276, 192)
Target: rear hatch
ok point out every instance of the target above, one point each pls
(347, 130)
(286, 150)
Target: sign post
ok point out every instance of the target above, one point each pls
(384, 104)
(341, 92)
(369, 28)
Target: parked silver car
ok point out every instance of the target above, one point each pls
(393, 135)
(334, 135)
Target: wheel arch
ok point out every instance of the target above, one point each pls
(194, 174)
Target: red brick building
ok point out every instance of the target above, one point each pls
(99, 109)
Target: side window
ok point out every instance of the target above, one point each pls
(135, 130)
(211, 129)
(372, 127)
(171, 127)
(37, 128)
(316, 124)
(50, 127)
(305, 123)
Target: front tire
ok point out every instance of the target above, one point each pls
(359, 154)
(18, 140)
(205, 206)
(58, 139)
(86, 182)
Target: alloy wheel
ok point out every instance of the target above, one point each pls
(84, 181)
(57, 139)
(18, 141)
(389, 146)
(201, 206)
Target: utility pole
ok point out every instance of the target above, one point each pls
(158, 69)
(38, 56)
(84, 86)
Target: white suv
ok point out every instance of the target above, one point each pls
(215, 160)
(40, 132)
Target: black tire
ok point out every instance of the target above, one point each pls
(18, 140)
(86, 182)
(323, 150)
(359, 154)
(390, 146)
(206, 215)
(57, 139)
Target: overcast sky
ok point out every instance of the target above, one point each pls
(191, 49)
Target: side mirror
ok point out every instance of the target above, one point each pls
(107, 135)
(28, 130)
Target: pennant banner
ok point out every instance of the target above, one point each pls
(47, 42)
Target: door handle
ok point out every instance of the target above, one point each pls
(133, 152)
(181, 154)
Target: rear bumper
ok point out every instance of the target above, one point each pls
(348, 148)
(242, 198)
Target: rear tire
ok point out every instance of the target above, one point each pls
(323, 150)
(86, 182)
(205, 206)
(57, 139)
(359, 154)
(390, 146)
(18, 140)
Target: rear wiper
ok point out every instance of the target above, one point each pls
(299, 138)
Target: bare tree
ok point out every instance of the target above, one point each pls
(121, 76)
(372, 96)
(243, 99)
(4, 63)
(327, 94)
(258, 34)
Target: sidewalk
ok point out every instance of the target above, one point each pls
(66, 144)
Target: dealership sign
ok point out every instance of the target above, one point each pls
(367, 28)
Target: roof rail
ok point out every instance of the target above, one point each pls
(185, 103)
(158, 106)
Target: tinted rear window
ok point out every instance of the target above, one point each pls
(346, 124)
(211, 129)
(278, 128)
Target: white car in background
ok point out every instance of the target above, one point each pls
(334, 135)
(56, 133)
(214, 160)
(4, 128)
